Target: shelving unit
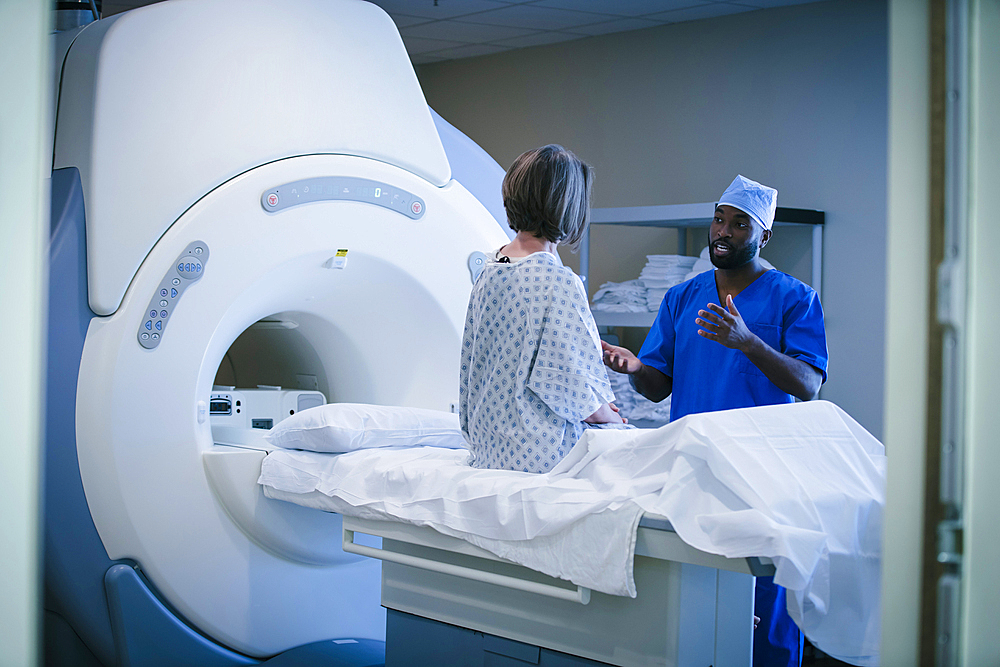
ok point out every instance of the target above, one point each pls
(685, 216)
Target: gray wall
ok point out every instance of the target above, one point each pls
(794, 97)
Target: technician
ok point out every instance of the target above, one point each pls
(765, 346)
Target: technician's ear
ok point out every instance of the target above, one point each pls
(765, 237)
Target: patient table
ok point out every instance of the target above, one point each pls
(670, 525)
(692, 608)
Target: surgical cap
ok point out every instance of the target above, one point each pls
(756, 200)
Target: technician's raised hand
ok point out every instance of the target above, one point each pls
(648, 381)
(725, 327)
(620, 359)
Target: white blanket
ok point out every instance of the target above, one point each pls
(802, 484)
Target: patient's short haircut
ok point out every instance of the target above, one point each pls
(547, 193)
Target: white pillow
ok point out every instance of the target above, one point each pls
(346, 427)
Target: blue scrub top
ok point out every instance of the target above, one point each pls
(707, 376)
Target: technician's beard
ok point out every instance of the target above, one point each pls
(737, 258)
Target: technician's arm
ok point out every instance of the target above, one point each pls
(788, 374)
(649, 382)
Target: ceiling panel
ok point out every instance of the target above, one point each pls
(416, 45)
(437, 30)
(621, 7)
(616, 25)
(439, 9)
(700, 12)
(533, 16)
(472, 33)
(538, 39)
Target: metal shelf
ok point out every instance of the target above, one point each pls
(613, 319)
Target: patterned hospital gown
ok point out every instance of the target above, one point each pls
(532, 368)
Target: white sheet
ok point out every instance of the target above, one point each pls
(802, 484)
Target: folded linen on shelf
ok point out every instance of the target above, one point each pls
(661, 273)
(665, 270)
(644, 293)
(801, 483)
(626, 297)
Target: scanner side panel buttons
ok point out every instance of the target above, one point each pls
(185, 271)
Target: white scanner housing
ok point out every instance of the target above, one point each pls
(162, 105)
(182, 118)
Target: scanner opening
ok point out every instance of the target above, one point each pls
(270, 372)
(276, 366)
(273, 352)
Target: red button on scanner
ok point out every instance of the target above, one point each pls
(416, 207)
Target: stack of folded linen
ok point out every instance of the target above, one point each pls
(626, 297)
(702, 264)
(661, 273)
(632, 405)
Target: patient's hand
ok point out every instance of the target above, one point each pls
(606, 414)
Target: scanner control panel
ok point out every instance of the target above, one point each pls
(187, 269)
(334, 188)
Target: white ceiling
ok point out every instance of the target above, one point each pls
(437, 30)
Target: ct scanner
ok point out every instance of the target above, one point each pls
(215, 164)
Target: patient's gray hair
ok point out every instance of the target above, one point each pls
(547, 193)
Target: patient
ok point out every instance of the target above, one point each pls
(532, 376)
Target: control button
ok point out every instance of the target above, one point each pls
(163, 314)
(416, 207)
(163, 302)
(159, 325)
(144, 336)
(163, 292)
(199, 250)
(272, 199)
(175, 281)
(155, 336)
(149, 325)
(187, 269)
(152, 313)
(173, 292)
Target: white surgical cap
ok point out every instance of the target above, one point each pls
(756, 200)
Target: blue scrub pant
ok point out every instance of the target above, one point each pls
(777, 641)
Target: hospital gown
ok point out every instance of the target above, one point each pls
(786, 314)
(531, 368)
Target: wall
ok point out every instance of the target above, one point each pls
(794, 97)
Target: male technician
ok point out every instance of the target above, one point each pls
(766, 345)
